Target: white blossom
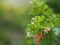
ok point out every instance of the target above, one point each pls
(28, 34)
(47, 29)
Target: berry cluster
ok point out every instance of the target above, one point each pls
(37, 37)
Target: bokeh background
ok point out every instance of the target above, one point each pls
(14, 17)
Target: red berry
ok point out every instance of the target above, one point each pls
(36, 40)
(41, 36)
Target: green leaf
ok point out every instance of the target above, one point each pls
(42, 18)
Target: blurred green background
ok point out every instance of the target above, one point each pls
(14, 17)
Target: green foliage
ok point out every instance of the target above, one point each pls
(39, 23)
(43, 17)
(38, 8)
(54, 4)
